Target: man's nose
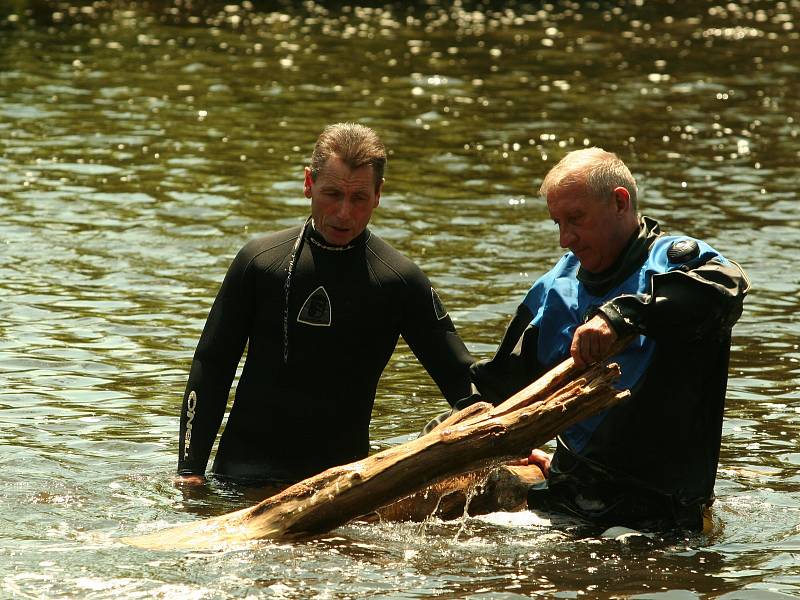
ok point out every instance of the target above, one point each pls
(565, 236)
(343, 208)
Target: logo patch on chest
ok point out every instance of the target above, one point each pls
(316, 309)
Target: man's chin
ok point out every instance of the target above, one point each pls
(587, 262)
(336, 237)
(591, 266)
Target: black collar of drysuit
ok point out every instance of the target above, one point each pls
(315, 237)
(628, 261)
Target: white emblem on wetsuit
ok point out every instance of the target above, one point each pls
(438, 307)
(316, 309)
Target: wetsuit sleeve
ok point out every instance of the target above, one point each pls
(432, 337)
(214, 367)
(694, 301)
(515, 363)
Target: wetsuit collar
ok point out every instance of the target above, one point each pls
(628, 261)
(315, 237)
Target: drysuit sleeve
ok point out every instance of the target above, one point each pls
(699, 299)
(429, 332)
(214, 367)
(514, 365)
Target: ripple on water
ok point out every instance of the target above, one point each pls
(144, 144)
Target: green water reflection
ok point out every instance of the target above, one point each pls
(141, 144)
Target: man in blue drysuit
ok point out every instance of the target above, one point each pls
(651, 459)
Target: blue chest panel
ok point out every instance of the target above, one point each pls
(560, 304)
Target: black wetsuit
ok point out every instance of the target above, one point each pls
(653, 458)
(304, 399)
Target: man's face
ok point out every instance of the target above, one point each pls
(595, 230)
(342, 200)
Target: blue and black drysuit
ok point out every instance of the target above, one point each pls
(654, 456)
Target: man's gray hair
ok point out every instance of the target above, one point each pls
(597, 170)
(356, 145)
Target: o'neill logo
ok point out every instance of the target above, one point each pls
(191, 403)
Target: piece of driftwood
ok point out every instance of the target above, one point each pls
(497, 488)
(475, 438)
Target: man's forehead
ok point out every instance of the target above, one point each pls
(336, 167)
(360, 178)
(346, 175)
(573, 194)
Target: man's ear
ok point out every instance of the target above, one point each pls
(307, 182)
(622, 199)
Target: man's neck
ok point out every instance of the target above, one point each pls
(316, 238)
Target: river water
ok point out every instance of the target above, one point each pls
(142, 144)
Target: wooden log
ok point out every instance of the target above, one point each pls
(475, 438)
(497, 488)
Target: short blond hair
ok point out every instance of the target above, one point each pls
(599, 171)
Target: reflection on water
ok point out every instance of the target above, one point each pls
(142, 144)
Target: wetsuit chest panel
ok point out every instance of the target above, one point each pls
(560, 304)
(339, 314)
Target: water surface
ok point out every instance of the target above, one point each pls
(142, 144)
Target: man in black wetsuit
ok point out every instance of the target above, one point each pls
(320, 308)
(653, 458)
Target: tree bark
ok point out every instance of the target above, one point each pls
(475, 438)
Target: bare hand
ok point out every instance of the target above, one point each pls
(189, 480)
(537, 458)
(592, 341)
